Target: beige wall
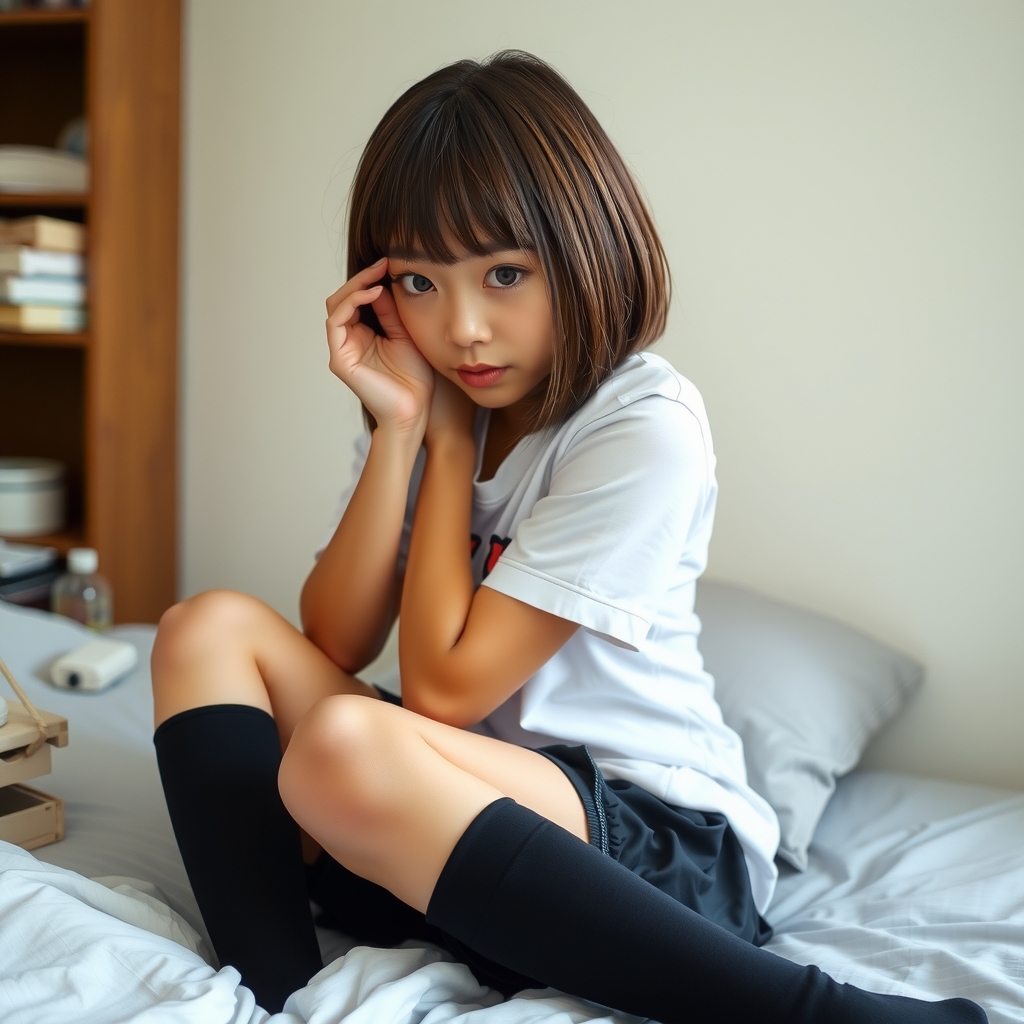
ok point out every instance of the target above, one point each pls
(839, 187)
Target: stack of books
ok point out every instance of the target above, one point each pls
(42, 280)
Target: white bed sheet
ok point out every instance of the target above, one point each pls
(915, 887)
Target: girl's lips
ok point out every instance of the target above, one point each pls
(482, 378)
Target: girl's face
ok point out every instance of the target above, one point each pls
(484, 322)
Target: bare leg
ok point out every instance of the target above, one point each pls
(223, 647)
(388, 793)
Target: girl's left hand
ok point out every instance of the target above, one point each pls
(452, 412)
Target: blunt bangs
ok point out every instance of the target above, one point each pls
(434, 199)
(505, 155)
(443, 185)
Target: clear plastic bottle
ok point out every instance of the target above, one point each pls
(82, 593)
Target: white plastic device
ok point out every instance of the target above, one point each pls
(94, 665)
(3, 711)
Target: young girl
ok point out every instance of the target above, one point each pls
(555, 798)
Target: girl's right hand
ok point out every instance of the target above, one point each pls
(386, 372)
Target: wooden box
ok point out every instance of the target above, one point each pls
(29, 817)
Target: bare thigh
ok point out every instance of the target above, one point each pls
(389, 793)
(222, 647)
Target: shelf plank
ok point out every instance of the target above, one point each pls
(63, 541)
(64, 339)
(37, 17)
(72, 200)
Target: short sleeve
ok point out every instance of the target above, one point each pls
(631, 491)
(360, 453)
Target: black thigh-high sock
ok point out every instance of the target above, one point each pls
(241, 848)
(531, 896)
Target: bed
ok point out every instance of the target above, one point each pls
(911, 886)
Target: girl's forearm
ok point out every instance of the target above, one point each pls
(349, 600)
(438, 590)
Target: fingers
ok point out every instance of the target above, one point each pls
(387, 315)
(358, 282)
(346, 337)
(346, 312)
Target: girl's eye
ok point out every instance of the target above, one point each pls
(504, 277)
(415, 284)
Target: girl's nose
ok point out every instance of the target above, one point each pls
(467, 322)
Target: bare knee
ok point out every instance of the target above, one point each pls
(335, 763)
(195, 628)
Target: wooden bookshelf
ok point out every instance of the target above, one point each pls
(44, 200)
(104, 401)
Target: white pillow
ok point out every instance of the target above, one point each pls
(805, 693)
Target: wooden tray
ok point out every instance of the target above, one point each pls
(29, 817)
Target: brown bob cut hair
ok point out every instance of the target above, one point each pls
(504, 154)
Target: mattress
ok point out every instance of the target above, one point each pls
(915, 886)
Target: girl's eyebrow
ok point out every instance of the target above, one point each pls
(412, 254)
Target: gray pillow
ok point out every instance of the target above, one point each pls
(805, 693)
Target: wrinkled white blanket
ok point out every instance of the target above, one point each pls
(75, 949)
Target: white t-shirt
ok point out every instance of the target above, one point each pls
(605, 520)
